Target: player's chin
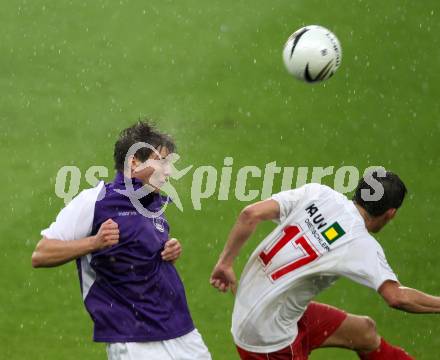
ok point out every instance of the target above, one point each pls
(376, 229)
(157, 187)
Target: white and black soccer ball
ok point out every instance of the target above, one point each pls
(312, 54)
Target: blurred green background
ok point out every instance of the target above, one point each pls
(74, 73)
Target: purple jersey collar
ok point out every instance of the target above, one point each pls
(120, 180)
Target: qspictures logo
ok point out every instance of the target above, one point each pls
(209, 182)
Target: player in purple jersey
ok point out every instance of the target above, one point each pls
(125, 258)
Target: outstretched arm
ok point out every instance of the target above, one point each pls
(53, 252)
(223, 276)
(409, 300)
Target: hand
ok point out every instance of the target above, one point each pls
(172, 250)
(223, 278)
(108, 235)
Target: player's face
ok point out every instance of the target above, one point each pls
(155, 171)
(382, 220)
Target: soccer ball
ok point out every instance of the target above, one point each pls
(312, 54)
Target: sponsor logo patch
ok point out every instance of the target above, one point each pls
(159, 224)
(333, 233)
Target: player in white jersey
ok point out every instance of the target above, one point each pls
(321, 236)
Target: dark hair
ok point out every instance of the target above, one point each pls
(142, 131)
(392, 198)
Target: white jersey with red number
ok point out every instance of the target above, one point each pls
(321, 236)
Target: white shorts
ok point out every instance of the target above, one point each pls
(186, 347)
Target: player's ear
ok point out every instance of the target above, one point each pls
(134, 163)
(391, 213)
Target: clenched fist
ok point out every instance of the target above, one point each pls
(223, 278)
(108, 235)
(172, 250)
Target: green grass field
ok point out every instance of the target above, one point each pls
(73, 74)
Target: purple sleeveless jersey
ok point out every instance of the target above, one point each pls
(136, 296)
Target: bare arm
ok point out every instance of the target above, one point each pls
(223, 276)
(53, 252)
(409, 300)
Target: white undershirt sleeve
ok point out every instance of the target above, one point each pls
(289, 200)
(75, 221)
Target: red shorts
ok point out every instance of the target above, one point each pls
(317, 324)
